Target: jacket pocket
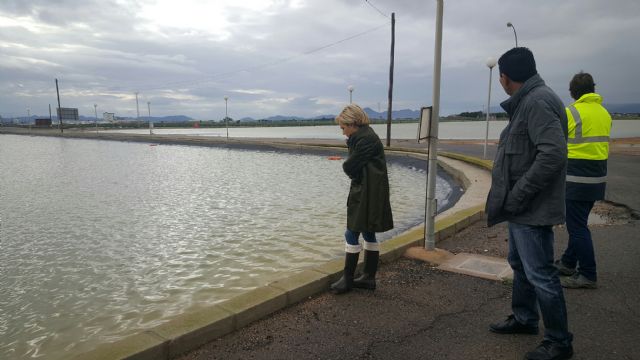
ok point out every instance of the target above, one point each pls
(516, 143)
(518, 159)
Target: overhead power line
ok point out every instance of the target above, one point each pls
(378, 10)
(259, 66)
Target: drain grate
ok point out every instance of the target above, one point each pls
(478, 265)
(484, 266)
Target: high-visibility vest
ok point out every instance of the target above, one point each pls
(589, 125)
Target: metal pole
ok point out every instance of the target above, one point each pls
(137, 110)
(226, 116)
(389, 106)
(350, 88)
(59, 111)
(95, 109)
(491, 62)
(431, 206)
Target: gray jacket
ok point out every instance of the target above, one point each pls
(528, 176)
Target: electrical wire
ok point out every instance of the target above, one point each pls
(256, 67)
(378, 10)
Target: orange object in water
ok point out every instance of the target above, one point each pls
(334, 158)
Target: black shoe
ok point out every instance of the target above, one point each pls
(548, 350)
(512, 326)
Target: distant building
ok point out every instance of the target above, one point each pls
(44, 122)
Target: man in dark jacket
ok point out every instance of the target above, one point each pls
(527, 191)
(368, 204)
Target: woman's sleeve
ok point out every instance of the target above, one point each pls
(363, 151)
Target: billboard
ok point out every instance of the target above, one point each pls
(110, 117)
(68, 114)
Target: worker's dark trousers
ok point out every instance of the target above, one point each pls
(580, 250)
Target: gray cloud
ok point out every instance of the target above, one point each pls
(187, 60)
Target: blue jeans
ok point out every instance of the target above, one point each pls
(535, 281)
(353, 245)
(580, 249)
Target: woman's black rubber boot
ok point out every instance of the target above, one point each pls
(368, 278)
(345, 283)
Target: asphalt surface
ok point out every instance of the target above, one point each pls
(419, 312)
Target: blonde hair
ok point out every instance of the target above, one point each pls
(352, 114)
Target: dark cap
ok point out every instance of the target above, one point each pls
(518, 64)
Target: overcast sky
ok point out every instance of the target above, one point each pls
(297, 57)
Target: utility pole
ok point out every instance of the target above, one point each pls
(150, 122)
(390, 107)
(59, 109)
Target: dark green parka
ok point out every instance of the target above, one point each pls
(368, 205)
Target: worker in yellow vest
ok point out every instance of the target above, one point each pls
(589, 126)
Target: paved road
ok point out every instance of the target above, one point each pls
(419, 312)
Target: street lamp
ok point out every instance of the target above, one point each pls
(137, 110)
(491, 62)
(95, 110)
(226, 116)
(350, 88)
(514, 32)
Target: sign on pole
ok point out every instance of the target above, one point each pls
(424, 127)
(68, 114)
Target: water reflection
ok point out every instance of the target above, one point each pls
(101, 239)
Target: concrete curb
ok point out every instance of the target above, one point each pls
(191, 330)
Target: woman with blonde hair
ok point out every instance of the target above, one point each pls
(368, 205)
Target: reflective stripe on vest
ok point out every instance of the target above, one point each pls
(578, 139)
(586, 179)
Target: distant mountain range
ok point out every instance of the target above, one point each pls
(628, 108)
(623, 108)
(398, 114)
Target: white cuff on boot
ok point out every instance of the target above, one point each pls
(372, 246)
(353, 249)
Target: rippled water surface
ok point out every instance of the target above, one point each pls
(101, 239)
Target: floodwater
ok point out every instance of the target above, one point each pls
(102, 239)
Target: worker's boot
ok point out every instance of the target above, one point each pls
(368, 278)
(345, 283)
